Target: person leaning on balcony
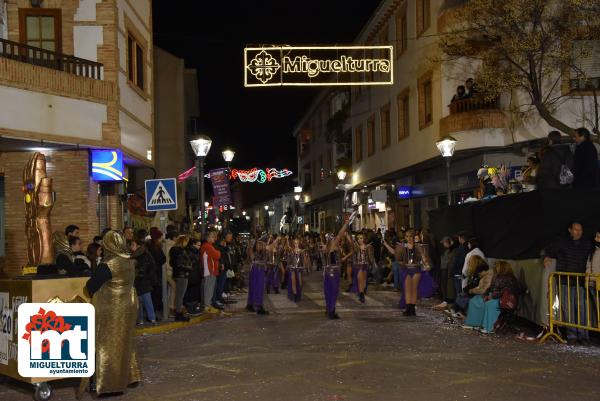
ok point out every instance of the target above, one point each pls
(461, 93)
(571, 255)
(585, 167)
(553, 156)
(472, 88)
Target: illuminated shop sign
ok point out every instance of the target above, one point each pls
(404, 192)
(320, 65)
(107, 165)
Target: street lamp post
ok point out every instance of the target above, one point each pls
(341, 175)
(446, 147)
(201, 147)
(228, 156)
(267, 218)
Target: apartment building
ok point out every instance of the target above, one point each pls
(395, 128)
(75, 76)
(324, 147)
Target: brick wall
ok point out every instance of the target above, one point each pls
(76, 200)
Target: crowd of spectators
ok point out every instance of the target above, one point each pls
(200, 275)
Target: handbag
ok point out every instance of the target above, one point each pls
(508, 300)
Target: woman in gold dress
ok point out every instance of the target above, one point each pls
(115, 301)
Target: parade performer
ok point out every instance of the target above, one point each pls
(362, 258)
(273, 265)
(346, 252)
(282, 251)
(331, 269)
(257, 254)
(297, 262)
(116, 304)
(413, 260)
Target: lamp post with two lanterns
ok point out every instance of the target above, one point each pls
(201, 146)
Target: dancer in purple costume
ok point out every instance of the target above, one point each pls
(256, 278)
(331, 269)
(273, 264)
(362, 258)
(297, 261)
(413, 259)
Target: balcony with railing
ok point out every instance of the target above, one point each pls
(49, 59)
(472, 114)
(39, 70)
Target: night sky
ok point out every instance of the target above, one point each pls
(211, 35)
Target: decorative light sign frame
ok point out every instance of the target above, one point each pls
(318, 65)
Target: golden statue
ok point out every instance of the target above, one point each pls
(115, 300)
(38, 205)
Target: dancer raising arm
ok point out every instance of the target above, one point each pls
(331, 269)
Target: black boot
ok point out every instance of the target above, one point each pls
(333, 315)
(180, 317)
(413, 310)
(250, 308)
(406, 311)
(261, 311)
(361, 297)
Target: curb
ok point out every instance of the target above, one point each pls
(170, 326)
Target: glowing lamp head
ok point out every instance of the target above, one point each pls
(243, 212)
(446, 146)
(341, 174)
(297, 190)
(201, 145)
(228, 155)
(206, 204)
(266, 207)
(297, 197)
(271, 213)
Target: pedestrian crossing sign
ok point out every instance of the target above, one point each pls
(161, 194)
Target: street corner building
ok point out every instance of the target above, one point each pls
(76, 76)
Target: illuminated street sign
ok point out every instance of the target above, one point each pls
(321, 65)
(107, 165)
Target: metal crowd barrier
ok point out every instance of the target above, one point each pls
(573, 303)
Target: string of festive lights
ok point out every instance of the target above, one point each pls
(260, 176)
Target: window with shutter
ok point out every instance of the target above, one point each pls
(585, 74)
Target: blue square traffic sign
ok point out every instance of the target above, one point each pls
(161, 194)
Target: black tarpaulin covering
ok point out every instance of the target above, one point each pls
(518, 226)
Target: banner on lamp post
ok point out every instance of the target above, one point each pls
(220, 183)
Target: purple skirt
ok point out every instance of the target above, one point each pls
(290, 291)
(356, 267)
(425, 290)
(331, 287)
(273, 279)
(256, 285)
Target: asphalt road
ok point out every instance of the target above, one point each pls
(373, 353)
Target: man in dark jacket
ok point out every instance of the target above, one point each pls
(145, 280)
(571, 256)
(586, 161)
(554, 155)
(193, 293)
